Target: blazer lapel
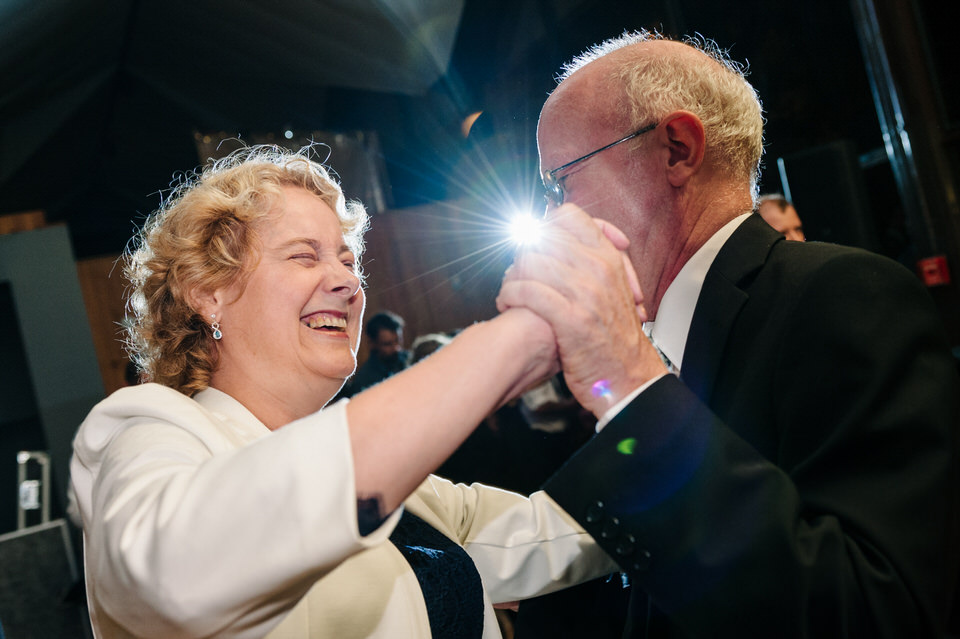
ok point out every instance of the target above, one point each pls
(724, 292)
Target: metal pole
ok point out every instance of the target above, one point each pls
(896, 138)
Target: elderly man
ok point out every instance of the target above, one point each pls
(786, 464)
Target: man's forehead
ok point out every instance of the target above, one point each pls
(587, 85)
(593, 95)
(581, 106)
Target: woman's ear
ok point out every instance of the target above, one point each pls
(205, 303)
(687, 142)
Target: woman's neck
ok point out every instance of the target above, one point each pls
(275, 406)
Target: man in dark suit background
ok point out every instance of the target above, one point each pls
(384, 332)
(782, 215)
(786, 465)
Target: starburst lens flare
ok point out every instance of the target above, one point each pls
(525, 229)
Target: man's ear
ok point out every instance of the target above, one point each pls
(687, 143)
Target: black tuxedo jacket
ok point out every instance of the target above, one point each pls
(800, 479)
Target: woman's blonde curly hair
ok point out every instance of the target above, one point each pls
(202, 238)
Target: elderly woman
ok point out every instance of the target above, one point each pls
(220, 500)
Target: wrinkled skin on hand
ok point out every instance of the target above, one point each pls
(580, 280)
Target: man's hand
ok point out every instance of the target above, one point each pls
(579, 279)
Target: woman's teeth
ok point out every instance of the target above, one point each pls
(328, 322)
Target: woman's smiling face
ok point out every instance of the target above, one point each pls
(295, 324)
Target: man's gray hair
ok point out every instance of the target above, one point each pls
(718, 94)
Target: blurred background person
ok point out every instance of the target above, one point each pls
(384, 332)
(425, 345)
(779, 212)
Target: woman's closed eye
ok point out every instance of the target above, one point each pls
(306, 256)
(348, 259)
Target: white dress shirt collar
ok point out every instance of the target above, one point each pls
(675, 314)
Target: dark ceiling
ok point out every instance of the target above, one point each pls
(100, 100)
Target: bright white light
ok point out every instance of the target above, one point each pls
(525, 229)
(288, 134)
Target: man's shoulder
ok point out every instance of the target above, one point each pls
(829, 279)
(828, 287)
(755, 246)
(837, 262)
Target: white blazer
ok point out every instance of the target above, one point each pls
(199, 521)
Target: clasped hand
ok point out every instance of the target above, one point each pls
(579, 279)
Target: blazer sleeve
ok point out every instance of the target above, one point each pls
(188, 535)
(846, 525)
(522, 546)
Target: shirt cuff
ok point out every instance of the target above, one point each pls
(614, 410)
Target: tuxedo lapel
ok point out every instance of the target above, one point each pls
(725, 291)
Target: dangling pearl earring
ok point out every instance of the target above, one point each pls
(215, 327)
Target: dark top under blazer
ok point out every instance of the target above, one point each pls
(801, 478)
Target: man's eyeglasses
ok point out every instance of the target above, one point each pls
(552, 183)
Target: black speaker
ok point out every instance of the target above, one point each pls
(827, 187)
(38, 582)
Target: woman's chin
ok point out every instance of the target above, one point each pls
(337, 376)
